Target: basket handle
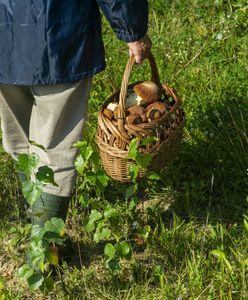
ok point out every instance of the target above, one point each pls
(124, 86)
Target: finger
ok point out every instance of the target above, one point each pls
(139, 59)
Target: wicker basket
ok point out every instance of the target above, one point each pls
(113, 137)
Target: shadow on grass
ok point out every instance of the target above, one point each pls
(209, 177)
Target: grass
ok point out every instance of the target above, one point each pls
(197, 248)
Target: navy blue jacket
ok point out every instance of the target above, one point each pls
(55, 41)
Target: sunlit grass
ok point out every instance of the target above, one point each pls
(198, 246)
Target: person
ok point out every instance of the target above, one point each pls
(49, 52)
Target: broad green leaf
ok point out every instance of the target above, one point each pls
(149, 140)
(79, 164)
(89, 227)
(129, 192)
(94, 160)
(123, 249)
(42, 265)
(132, 204)
(91, 176)
(144, 231)
(109, 212)
(84, 200)
(53, 237)
(37, 232)
(95, 216)
(25, 271)
(102, 178)
(153, 176)
(35, 281)
(85, 150)
(109, 251)
(48, 284)
(46, 174)
(56, 225)
(88, 152)
(31, 191)
(101, 233)
(113, 265)
(134, 171)
(133, 148)
(81, 145)
(36, 251)
(144, 160)
(118, 249)
(27, 163)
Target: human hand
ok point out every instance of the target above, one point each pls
(140, 49)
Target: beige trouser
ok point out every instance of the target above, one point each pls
(50, 115)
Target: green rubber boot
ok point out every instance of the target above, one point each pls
(49, 206)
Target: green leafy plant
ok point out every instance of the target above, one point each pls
(42, 253)
(141, 160)
(105, 226)
(42, 250)
(104, 223)
(35, 180)
(92, 177)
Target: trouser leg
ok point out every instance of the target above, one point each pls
(56, 123)
(53, 116)
(15, 111)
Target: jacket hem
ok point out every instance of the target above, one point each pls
(56, 80)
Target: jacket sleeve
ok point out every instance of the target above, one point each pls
(128, 18)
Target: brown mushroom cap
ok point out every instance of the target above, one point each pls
(148, 91)
(134, 119)
(157, 105)
(136, 110)
(108, 113)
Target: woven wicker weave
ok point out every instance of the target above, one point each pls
(113, 137)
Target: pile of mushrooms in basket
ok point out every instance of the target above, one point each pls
(144, 104)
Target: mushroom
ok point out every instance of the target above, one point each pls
(157, 105)
(108, 113)
(136, 110)
(153, 114)
(115, 112)
(148, 91)
(144, 117)
(134, 119)
(112, 106)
